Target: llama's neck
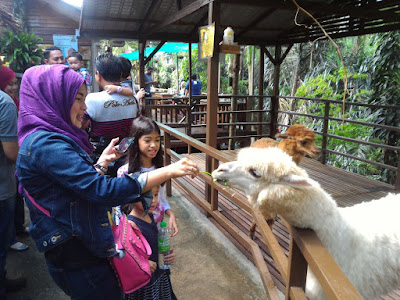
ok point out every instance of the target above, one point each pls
(321, 214)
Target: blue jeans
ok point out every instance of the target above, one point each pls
(7, 208)
(97, 282)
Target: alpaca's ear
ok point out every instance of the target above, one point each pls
(296, 181)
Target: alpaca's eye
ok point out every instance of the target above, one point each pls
(254, 173)
(303, 142)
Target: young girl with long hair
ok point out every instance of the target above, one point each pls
(146, 155)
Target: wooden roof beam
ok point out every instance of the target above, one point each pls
(148, 12)
(114, 19)
(134, 35)
(355, 12)
(184, 12)
(196, 27)
(154, 52)
(369, 12)
(260, 18)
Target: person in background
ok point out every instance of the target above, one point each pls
(196, 86)
(110, 115)
(53, 55)
(70, 50)
(126, 86)
(159, 287)
(9, 85)
(67, 194)
(76, 63)
(148, 82)
(8, 157)
(146, 155)
(182, 89)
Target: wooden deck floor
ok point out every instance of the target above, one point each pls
(347, 188)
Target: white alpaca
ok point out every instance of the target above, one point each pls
(363, 239)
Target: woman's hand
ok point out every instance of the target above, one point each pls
(172, 225)
(183, 167)
(170, 258)
(141, 93)
(109, 154)
(153, 266)
(178, 169)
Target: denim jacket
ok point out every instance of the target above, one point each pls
(58, 174)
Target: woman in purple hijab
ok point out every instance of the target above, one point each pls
(67, 194)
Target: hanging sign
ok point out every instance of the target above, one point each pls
(206, 45)
(65, 42)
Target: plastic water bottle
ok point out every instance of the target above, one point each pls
(164, 245)
(228, 36)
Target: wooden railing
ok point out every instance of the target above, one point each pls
(193, 115)
(328, 137)
(235, 122)
(305, 248)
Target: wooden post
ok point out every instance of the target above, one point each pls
(94, 53)
(297, 268)
(397, 182)
(250, 101)
(142, 80)
(275, 92)
(142, 45)
(234, 106)
(212, 91)
(190, 102)
(325, 132)
(167, 160)
(177, 74)
(260, 92)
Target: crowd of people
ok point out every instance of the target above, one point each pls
(59, 152)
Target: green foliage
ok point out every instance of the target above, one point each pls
(21, 50)
(198, 67)
(385, 83)
(317, 87)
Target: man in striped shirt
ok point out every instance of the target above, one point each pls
(110, 115)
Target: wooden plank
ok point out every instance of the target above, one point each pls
(332, 279)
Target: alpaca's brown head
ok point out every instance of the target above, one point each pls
(298, 141)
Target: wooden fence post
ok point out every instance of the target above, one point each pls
(297, 268)
(325, 132)
(167, 160)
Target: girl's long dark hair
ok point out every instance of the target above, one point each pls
(142, 126)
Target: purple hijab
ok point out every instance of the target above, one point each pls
(46, 96)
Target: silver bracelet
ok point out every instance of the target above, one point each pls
(101, 168)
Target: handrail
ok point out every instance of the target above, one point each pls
(305, 245)
(253, 123)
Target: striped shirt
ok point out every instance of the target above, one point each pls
(110, 115)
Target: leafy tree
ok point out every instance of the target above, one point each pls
(385, 84)
(21, 50)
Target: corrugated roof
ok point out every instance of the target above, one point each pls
(266, 22)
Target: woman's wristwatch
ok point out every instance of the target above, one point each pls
(101, 168)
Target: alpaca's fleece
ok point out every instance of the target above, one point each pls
(265, 143)
(363, 239)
